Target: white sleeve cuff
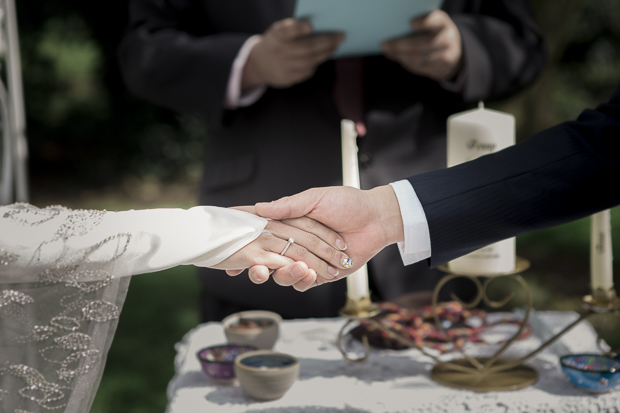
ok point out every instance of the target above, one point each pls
(234, 98)
(417, 245)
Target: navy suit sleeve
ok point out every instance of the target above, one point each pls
(561, 174)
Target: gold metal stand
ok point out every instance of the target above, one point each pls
(362, 308)
(470, 373)
(515, 377)
(356, 310)
(602, 301)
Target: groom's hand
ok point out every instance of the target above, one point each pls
(368, 221)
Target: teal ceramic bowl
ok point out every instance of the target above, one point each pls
(592, 372)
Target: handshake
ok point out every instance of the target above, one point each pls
(318, 236)
(549, 179)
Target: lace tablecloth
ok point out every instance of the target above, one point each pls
(390, 381)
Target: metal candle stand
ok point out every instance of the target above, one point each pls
(477, 374)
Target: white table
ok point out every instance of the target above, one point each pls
(390, 381)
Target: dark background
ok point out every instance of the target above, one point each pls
(94, 145)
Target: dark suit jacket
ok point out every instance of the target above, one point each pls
(558, 175)
(178, 53)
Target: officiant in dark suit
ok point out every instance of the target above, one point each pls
(272, 101)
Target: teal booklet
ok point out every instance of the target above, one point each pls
(366, 23)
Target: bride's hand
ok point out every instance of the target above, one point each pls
(316, 248)
(263, 255)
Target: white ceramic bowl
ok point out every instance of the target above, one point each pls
(255, 328)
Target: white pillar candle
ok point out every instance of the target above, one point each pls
(472, 134)
(601, 272)
(357, 283)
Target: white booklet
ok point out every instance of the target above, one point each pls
(366, 23)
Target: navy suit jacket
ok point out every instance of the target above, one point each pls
(559, 175)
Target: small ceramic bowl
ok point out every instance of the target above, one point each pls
(266, 375)
(256, 328)
(592, 372)
(217, 361)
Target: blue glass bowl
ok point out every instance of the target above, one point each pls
(592, 372)
(217, 361)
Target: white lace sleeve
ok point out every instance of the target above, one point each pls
(63, 280)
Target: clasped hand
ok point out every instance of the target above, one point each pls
(326, 220)
(316, 256)
(286, 54)
(434, 50)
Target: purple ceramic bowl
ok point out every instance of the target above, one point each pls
(218, 361)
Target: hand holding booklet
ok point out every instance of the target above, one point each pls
(365, 23)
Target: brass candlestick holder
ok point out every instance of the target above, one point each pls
(474, 373)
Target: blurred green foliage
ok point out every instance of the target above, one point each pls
(589, 68)
(583, 69)
(85, 129)
(93, 144)
(74, 58)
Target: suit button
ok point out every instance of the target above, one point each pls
(364, 160)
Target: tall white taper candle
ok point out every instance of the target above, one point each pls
(357, 283)
(601, 273)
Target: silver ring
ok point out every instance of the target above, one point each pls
(290, 241)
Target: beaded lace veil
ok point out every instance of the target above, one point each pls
(64, 275)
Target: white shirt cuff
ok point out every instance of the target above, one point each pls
(417, 245)
(234, 98)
